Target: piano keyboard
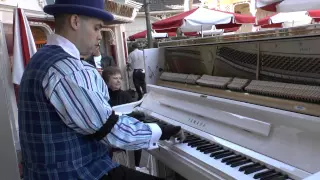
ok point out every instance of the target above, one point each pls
(242, 167)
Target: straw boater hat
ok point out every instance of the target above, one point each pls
(90, 8)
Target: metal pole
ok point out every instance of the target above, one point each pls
(147, 13)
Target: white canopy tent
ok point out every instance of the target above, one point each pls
(203, 19)
(288, 5)
(298, 5)
(289, 17)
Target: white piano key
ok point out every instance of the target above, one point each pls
(217, 165)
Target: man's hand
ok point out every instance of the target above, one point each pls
(169, 131)
(137, 115)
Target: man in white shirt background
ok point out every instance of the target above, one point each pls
(99, 61)
(136, 62)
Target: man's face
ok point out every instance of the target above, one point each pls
(96, 52)
(89, 34)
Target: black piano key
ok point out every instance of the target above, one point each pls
(243, 168)
(236, 160)
(212, 150)
(230, 158)
(190, 135)
(263, 174)
(187, 140)
(208, 147)
(199, 144)
(239, 163)
(218, 153)
(224, 155)
(271, 176)
(254, 169)
(205, 146)
(151, 120)
(283, 177)
(195, 141)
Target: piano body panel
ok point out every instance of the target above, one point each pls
(154, 62)
(315, 176)
(290, 135)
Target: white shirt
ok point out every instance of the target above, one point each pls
(68, 47)
(97, 61)
(136, 59)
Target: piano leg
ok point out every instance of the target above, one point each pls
(159, 169)
(130, 159)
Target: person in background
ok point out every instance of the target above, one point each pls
(112, 77)
(66, 124)
(136, 62)
(100, 62)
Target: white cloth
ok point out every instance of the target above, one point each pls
(97, 61)
(18, 59)
(298, 5)
(291, 17)
(263, 3)
(136, 59)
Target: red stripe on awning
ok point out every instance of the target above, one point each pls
(24, 39)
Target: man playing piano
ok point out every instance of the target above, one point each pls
(66, 123)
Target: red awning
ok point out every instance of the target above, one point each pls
(226, 30)
(268, 22)
(172, 23)
(269, 5)
(143, 34)
(287, 5)
(138, 35)
(239, 19)
(265, 23)
(314, 14)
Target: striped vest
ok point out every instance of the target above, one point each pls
(50, 149)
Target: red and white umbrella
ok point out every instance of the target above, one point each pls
(24, 46)
(172, 23)
(143, 34)
(288, 5)
(204, 19)
(201, 19)
(267, 5)
(277, 20)
(315, 14)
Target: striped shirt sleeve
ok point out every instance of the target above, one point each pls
(81, 97)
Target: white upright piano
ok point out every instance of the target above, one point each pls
(248, 103)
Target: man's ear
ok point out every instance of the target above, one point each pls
(75, 21)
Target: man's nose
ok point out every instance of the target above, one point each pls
(99, 36)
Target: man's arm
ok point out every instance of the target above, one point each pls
(81, 100)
